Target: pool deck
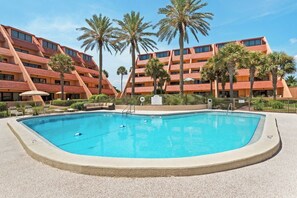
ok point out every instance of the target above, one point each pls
(22, 176)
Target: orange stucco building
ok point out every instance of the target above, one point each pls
(24, 67)
(194, 59)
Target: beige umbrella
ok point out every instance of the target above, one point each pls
(189, 80)
(34, 93)
(59, 93)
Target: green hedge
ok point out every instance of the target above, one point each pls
(3, 106)
(101, 98)
(78, 105)
(3, 114)
(65, 103)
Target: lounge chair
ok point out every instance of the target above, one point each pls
(99, 106)
(71, 110)
(14, 111)
(28, 110)
(46, 109)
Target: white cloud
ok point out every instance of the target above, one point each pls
(293, 40)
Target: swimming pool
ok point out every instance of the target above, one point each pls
(138, 136)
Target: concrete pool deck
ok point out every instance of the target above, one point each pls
(24, 177)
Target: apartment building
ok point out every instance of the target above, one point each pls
(24, 67)
(194, 60)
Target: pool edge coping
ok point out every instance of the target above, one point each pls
(266, 147)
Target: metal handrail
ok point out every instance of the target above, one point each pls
(229, 108)
(128, 109)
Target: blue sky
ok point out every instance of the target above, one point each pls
(57, 20)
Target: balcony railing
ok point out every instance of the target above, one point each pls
(86, 70)
(141, 89)
(8, 67)
(93, 80)
(49, 73)
(34, 58)
(105, 91)
(7, 85)
(5, 52)
(52, 88)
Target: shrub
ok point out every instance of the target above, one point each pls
(3, 114)
(37, 110)
(78, 105)
(100, 98)
(276, 104)
(259, 104)
(66, 102)
(3, 106)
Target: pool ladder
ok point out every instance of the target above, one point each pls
(129, 109)
(229, 108)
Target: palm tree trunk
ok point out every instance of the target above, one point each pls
(100, 68)
(121, 83)
(133, 70)
(155, 85)
(230, 71)
(211, 89)
(252, 79)
(217, 84)
(223, 89)
(181, 66)
(274, 83)
(62, 86)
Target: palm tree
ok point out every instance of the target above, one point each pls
(291, 81)
(253, 61)
(279, 64)
(163, 77)
(122, 71)
(105, 73)
(153, 69)
(133, 33)
(63, 64)
(181, 16)
(233, 56)
(1, 58)
(98, 35)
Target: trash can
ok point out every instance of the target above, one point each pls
(209, 103)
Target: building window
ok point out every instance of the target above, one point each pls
(221, 45)
(49, 45)
(21, 36)
(58, 82)
(174, 72)
(87, 58)
(6, 77)
(253, 42)
(144, 57)
(9, 96)
(39, 80)
(174, 83)
(70, 52)
(177, 52)
(32, 65)
(21, 50)
(195, 70)
(162, 54)
(202, 49)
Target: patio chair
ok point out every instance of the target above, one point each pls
(46, 109)
(28, 110)
(14, 111)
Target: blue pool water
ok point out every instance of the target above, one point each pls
(135, 136)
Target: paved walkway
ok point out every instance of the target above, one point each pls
(21, 176)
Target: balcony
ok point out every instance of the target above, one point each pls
(7, 85)
(52, 88)
(142, 79)
(175, 77)
(25, 44)
(191, 87)
(262, 48)
(187, 66)
(258, 85)
(186, 57)
(7, 67)
(49, 73)
(86, 70)
(105, 91)
(5, 52)
(243, 72)
(139, 90)
(33, 58)
(2, 39)
(203, 55)
(93, 80)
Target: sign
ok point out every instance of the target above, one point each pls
(241, 101)
(156, 100)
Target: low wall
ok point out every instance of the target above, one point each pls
(166, 107)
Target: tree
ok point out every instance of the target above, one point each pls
(279, 64)
(291, 81)
(181, 16)
(98, 35)
(105, 73)
(133, 33)
(63, 64)
(253, 61)
(163, 77)
(122, 71)
(154, 68)
(209, 71)
(233, 56)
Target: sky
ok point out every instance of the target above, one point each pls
(57, 20)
